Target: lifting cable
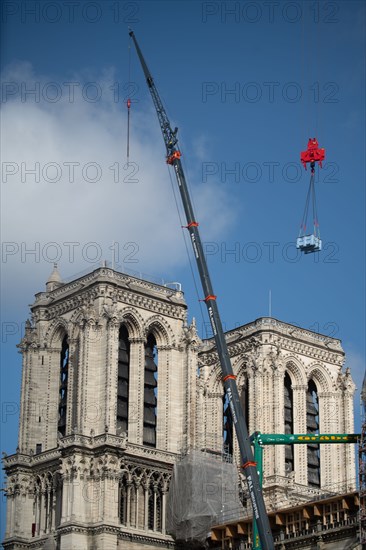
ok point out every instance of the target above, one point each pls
(172, 186)
(186, 247)
(128, 102)
(310, 196)
(307, 241)
(311, 242)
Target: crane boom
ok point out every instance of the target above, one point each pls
(229, 379)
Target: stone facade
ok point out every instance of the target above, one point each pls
(262, 353)
(79, 481)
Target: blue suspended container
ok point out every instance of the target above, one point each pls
(309, 243)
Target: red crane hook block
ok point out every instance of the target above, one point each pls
(313, 154)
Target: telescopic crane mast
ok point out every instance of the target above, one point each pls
(229, 379)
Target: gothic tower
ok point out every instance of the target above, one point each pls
(107, 400)
(290, 381)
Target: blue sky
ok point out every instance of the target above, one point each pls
(247, 83)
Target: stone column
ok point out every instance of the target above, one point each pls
(349, 464)
(53, 510)
(71, 417)
(166, 402)
(9, 512)
(279, 420)
(111, 379)
(128, 503)
(214, 434)
(330, 475)
(155, 490)
(300, 451)
(136, 391)
(42, 510)
(146, 518)
(65, 499)
(190, 396)
(83, 365)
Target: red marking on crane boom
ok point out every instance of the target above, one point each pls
(173, 156)
(249, 463)
(229, 377)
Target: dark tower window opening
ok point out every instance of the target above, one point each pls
(312, 427)
(289, 423)
(151, 510)
(122, 512)
(150, 391)
(244, 399)
(227, 426)
(123, 380)
(64, 374)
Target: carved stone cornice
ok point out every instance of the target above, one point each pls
(299, 387)
(324, 355)
(20, 460)
(212, 395)
(137, 341)
(166, 541)
(92, 442)
(248, 346)
(105, 281)
(158, 455)
(211, 357)
(18, 543)
(279, 331)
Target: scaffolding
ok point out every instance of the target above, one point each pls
(362, 466)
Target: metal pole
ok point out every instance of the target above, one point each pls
(258, 457)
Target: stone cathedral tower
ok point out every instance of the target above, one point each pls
(108, 400)
(116, 385)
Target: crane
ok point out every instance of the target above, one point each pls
(173, 158)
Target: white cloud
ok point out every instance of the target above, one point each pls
(93, 135)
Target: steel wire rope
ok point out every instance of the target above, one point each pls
(179, 215)
(128, 101)
(182, 160)
(305, 215)
(186, 247)
(164, 102)
(315, 211)
(310, 50)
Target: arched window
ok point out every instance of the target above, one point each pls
(155, 504)
(289, 423)
(150, 391)
(123, 497)
(312, 427)
(151, 510)
(123, 380)
(37, 507)
(64, 371)
(227, 426)
(244, 401)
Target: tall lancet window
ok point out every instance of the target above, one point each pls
(123, 380)
(150, 391)
(227, 426)
(64, 374)
(244, 400)
(312, 425)
(289, 423)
